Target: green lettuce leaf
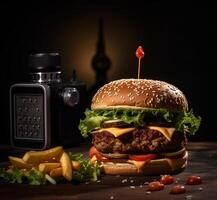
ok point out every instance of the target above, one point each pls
(92, 121)
(35, 177)
(5, 176)
(183, 121)
(88, 171)
(76, 156)
(188, 123)
(14, 175)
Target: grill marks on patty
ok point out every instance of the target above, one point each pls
(141, 140)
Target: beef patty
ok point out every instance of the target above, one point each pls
(141, 140)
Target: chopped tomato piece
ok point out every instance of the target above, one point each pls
(145, 157)
(155, 186)
(94, 152)
(194, 180)
(178, 189)
(166, 179)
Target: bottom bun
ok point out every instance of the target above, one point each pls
(154, 167)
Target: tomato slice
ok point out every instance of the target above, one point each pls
(145, 157)
(94, 152)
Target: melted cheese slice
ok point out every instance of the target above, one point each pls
(167, 132)
(117, 131)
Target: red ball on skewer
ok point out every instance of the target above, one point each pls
(140, 53)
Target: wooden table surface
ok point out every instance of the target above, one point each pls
(202, 162)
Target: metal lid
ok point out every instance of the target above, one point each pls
(44, 62)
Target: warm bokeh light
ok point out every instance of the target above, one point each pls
(78, 42)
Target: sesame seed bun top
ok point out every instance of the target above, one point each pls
(139, 93)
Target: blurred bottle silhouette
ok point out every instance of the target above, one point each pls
(100, 63)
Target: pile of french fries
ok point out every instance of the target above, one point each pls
(54, 162)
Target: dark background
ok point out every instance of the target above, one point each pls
(179, 40)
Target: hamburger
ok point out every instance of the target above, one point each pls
(139, 127)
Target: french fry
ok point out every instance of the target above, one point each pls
(76, 165)
(42, 156)
(66, 166)
(47, 167)
(19, 163)
(57, 172)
